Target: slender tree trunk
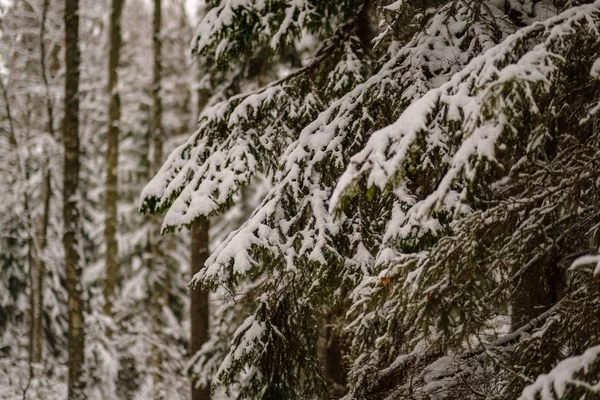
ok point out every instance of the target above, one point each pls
(538, 289)
(44, 71)
(36, 275)
(330, 352)
(199, 299)
(38, 266)
(160, 298)
(199, 305)
(156, 123)
(112, 159)
(159, 284)
(71, 217)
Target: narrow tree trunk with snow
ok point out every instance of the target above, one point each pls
(71, 216)
(112, 158)
(156, 123)
(159, 288)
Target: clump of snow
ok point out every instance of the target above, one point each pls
(555, 383)
(591, 259)
(595, 72)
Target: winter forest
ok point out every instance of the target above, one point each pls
(299, 199)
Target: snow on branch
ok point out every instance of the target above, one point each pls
(484, 99)
(295, 217)
(577, 372)
(236, 28)
(587, 260)
(241, 136)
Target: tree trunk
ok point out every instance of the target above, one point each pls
(156, 123)
(199, 299)
(76, 339)
(539, 288)
(38, 266)
(160, 298)
(330, 351)
(159, 283)
(37, 273)
(199, 305)
(112, 159)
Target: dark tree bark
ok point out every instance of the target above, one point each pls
(199, 299)
(44, 71)
(331, 350)
(199, 310)
(538, 289)
(76, 340)
(112, 159)
(160, 279)
(156, 123)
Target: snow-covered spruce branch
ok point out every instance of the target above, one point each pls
(325, 145)
(414, 200)
(480, 104)
(234, 27)
(425, 372)
(246, 134)
(470, 274)
(574, 376)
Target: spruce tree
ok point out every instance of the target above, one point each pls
(434, 174)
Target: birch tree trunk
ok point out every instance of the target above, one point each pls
(76, 340)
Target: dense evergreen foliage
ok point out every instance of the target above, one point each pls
(434, 199)
(394, 200)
